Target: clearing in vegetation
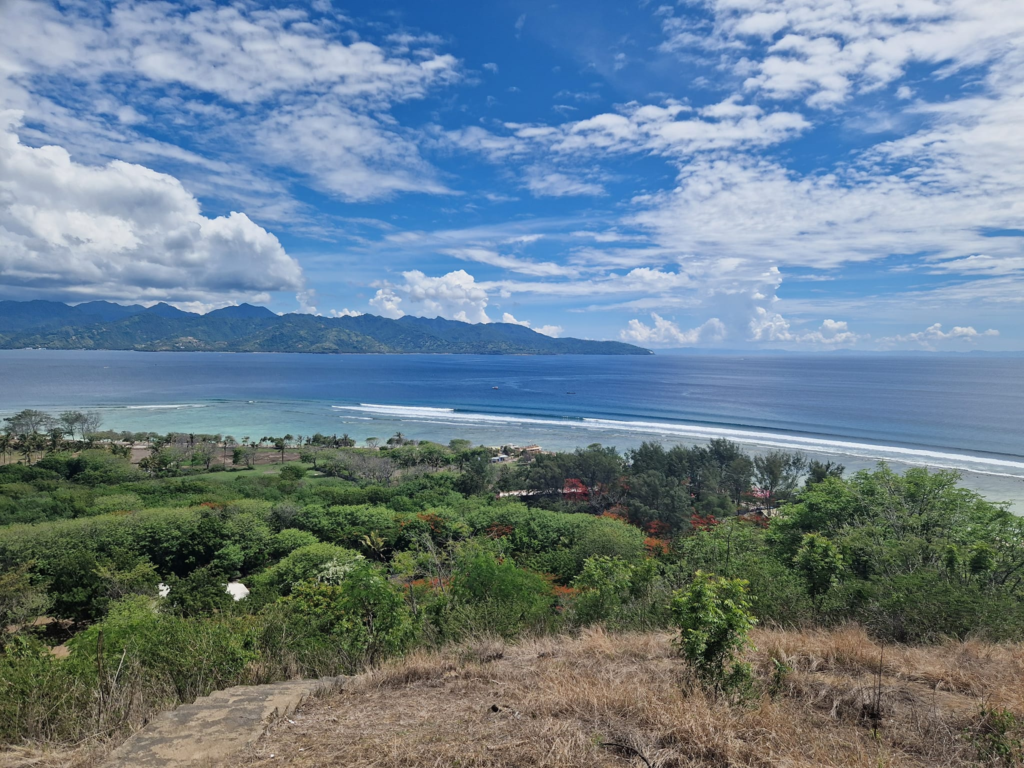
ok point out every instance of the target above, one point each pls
(821, 698)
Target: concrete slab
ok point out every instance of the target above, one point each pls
(215, 727)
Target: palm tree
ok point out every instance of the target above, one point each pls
(229, 442)
(279, 444)
(26, 447)
(56, 436)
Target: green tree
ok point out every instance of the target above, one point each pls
(820, 564)
(246, 455)
(714, 618)
(202, 593)
(652, 497)
(477, 475)
(203, 453)
(604, 586)
(777, 474)
(490, 594)
(29, 422)
(21, 600)
(71, 423)
(363, 614)
(817, 471)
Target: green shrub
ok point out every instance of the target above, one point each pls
(362, 619)
(927, 607)
(117, 502)
(304, 564)
(292, 472)
(91, 467)
(819, 563)
(714, 619)
(997, 738)
(604, 585)
(288, 540)
(202, 593)
(194, 656)
(43, 698)
(491, 595)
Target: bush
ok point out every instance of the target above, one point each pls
(714, 619)
(290, 539)
(927, 607)
(362, 619)
(304, 564)
(195, 656)
(118, 502)
(489, 594)
(91, 467)
(605, 586)
(292, 472)
(202, 593)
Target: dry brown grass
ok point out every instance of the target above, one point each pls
(563, 701)
(57, 757)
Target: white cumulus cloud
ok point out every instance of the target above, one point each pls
(934, 333)
(548, 330)
(664, 332)
(455, 296)
(123, 231)
(771, 326)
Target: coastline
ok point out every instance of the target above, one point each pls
(966, 415)
(999, 479)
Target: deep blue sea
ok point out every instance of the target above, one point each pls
(960, 412)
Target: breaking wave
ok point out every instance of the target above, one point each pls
(1004, 467)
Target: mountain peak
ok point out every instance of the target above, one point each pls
(243, 311)
(163, 309)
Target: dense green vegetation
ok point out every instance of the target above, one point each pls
(102, 325)
(349, 564)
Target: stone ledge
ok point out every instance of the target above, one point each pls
(214, 727)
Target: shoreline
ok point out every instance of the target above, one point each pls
(237, 418)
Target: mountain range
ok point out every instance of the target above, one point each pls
(247, 328)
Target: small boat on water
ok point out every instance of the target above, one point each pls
(493, 387)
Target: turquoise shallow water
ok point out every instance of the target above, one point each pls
(957, 412)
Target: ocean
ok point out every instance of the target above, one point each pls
(957, 412)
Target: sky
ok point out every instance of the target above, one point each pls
(738, 174)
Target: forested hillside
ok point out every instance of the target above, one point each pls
(347, 564)
(103, 325)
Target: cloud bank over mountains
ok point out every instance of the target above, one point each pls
(125, 232)
(793, 173)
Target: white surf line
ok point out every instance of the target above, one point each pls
(157, 407)
(859, 450)
(807, 443)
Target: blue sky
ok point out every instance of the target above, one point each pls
(804, 174)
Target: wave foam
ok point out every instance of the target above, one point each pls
(161, 407)
(933, 458)
(395, 410)
(798, 442)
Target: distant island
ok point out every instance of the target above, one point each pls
(247, 328)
